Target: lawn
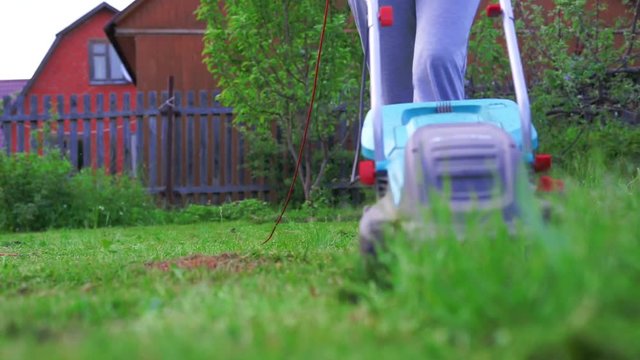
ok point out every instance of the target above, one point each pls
(568, 290)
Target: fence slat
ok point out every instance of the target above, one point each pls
(47, 124)
(152, 140)
(113, 134)
(73, 135)
(59, 120)
(218, 144)
(100, 131)
(86, 131)
(201, 145)
(178, 151)
(229, 150)
(190, 144)
(163, 143)
(6, 124)
(20, 128)
(126, 134)
(138, 143)
(33, 125)
(241, 166)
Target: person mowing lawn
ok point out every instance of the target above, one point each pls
(423, 58)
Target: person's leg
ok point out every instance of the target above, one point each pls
(396, 44)
(442, 36)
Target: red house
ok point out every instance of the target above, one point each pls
(81, 61)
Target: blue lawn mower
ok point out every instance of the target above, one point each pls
(482, 150)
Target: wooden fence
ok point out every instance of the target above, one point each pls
(202, 161)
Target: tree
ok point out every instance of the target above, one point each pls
(263, 54)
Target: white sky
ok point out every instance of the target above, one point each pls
(29, 27)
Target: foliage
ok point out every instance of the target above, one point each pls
(263, 54)
(256, 211)
(105, 200)
(42, 192)
(582, 70)
(488, 68)
(35, 192)
(247, 210)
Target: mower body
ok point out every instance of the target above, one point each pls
(470, 149)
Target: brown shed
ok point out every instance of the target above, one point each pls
(159, 38)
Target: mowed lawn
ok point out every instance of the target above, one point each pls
(568, 290)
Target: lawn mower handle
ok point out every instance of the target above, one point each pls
(522, 96)
(517, 71)
(375, 78)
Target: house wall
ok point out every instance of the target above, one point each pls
(156, 56)
(159, 56)
(67, 70)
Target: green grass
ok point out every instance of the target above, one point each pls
(569, 290)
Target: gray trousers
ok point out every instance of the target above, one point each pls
(424, 53)
(424, 57)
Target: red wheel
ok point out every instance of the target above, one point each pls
(494, 10)
(367, 172)
(385, 16)
(542, 162)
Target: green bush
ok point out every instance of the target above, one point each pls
(35, 192)
(103, 200)
(41, 192)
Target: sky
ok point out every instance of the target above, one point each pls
(29, 27)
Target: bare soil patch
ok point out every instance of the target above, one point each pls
(225, 261)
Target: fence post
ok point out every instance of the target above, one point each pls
(170, 107)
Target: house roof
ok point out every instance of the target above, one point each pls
(83, 19)
(11, 87)
(110, 30)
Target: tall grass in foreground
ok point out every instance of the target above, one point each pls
(566, 290)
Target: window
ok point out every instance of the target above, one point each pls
(105, 66)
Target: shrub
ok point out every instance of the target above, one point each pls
(103, 200)
(35, 192)
(41, 192)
